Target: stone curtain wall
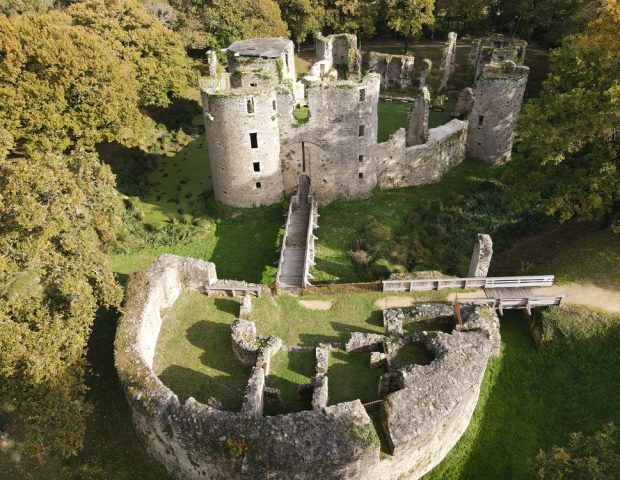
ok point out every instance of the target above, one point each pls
(400, 166)
(396, 70)
(423, 419)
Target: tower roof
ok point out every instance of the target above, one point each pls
(260, 47)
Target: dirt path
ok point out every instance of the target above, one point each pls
(316, 304)
(586, 294)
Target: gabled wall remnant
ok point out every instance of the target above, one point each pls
(481, 257)
(396, 70)
(417, 119)
(448, 58)
(425, 69)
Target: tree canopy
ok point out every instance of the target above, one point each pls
(569, 149)
(162, 68)
(408, 17)
(59, 85)
(57, 213)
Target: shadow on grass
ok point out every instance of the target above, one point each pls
(532, 400)
(288, 371)
(351, 378)
(247, 244)
(110, 443)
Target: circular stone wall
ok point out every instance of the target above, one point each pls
(422, 420)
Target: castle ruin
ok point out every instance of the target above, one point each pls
(258, 150)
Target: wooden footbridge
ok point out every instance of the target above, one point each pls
(501, 293)
(297, 249)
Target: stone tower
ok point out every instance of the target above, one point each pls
(243, 138)
(498, 94)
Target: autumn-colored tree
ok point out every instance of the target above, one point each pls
(162, 68)
(303, 17)
(57, 213)
(60, 86)
(408, 17)
(218, 23)
(585, 457)
(17, 7)
(353, 16)
(569, 150)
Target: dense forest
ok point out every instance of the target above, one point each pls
(75, 75)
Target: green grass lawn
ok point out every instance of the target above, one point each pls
(393, 115)
(242, 245)
(194, 355)
(341, 222)
(531, 400)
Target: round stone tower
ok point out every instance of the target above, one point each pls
(243, 139)
(498, 96)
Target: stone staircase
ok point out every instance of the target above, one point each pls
(293, 256)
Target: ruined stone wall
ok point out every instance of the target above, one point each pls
(257, 71)
(498, 95)
(401, 166)
(496, 49)
(448, 57)
(336, 53)
(396, 70)
(244, 176)
(417, 118)
(196, 441)
(423, 419)
(338, 140)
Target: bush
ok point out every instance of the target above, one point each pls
(593, 457)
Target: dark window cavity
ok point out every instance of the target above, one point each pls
(274, 104)
(480, 120)
(256, 166)
(360, 175)
(258, 185)
(251, 105)
(254, 140)
(362, 94)
(360, 158)
(361, 131)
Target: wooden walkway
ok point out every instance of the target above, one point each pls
(298, 242)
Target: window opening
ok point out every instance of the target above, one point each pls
(256, 166)
(254, 140)
(250, 105)
(361, 131)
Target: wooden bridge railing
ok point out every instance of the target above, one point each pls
(509, 303)
(473, 282)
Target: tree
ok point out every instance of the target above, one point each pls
(408, 17)
(60, 86)
(593, 457)
(357, 16)
(461, 16)
(217, 23)
(17, 7)
(569, 150)
(57, 214)
(548, 21)
(303, 17)
(157, 54)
